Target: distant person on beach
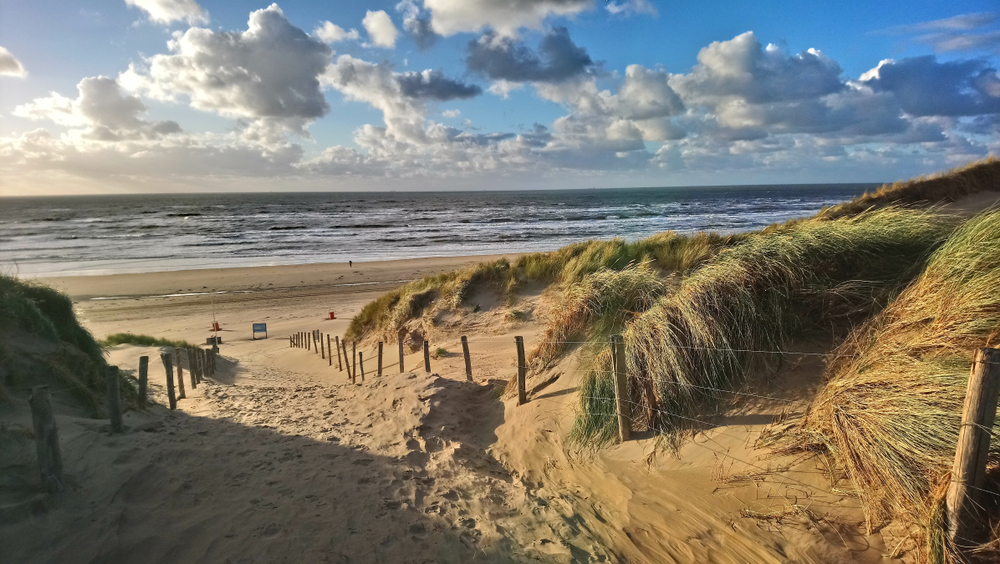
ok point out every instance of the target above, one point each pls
(350, 263)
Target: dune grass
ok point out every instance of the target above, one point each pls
(142, 341)
(947, 186)
(757, 296)
(668, 251)
(891, 410)
(70, 359)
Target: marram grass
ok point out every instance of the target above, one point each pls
(891, 410)
(758, 296)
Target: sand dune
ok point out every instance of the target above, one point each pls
(280, 459)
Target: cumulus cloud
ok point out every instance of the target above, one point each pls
(504, 17)
(9, 65)
(417, 24)
(632, 8)
(502, 59)
(743, 68)
(332, 33)
(102, 108)
(169, 11)
(433, 85)
(380, 29)
(451, 113)
(270, 72)
(926, 87)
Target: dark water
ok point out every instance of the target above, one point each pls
(141, 233)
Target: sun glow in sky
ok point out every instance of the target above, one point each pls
(118, 96)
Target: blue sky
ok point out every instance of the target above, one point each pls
(187, 95)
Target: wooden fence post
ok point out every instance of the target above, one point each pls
(522, 372)
(339, 363)
(180, 375)
(114, 397)
(380, 359)
(329, 351)
(316, 341)
(343, 345)
(361, 361)
(969, 472)
(354, 362)
(621, 388)
(198, 364)
(211, 360)
(191, 370)
(46, 439)
(322, 350)
(169, 367)
(427, 355)
(399, 337)
(143, 380)
(468, 361)
(309, 342)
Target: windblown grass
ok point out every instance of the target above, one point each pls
(891, 410)
(142, 341)
(599, 305)
(668, 251)
(696, 343)
(947, 186)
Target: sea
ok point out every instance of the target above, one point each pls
(83, 235)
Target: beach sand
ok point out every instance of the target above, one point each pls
(280, 458)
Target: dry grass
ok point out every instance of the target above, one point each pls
(891, 410)
(696, 343)
(947, 186)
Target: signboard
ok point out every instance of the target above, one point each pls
(259, 328)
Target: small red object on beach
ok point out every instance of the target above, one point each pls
(332, 316)
(215, 326)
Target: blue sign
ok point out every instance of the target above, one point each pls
(260, 327)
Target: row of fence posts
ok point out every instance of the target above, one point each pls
(313, 340)
(201, 363)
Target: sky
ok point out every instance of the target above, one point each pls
(151, 96)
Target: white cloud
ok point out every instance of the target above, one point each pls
(380, 28)
(451, 113)
(332, 33)
(632, 8)
(9, 65)
(270, 72)
(505, 17)
(169, 11)
(103, 110)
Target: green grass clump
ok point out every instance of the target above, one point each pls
(142, 341)
(599, 305)
(892, 408)
(758, 296)
(71, 359)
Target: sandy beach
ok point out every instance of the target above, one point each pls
(280, 458)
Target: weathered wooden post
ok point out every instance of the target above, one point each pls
(180, 375)
(322, 350)
(964, 513)
(308, 342)
(343, 345)
(199, 369)
(354, 362)
(211, 360)
(329, 351)
(400, 339)
(169, 367)
(340, 364)
(315, 341)
(621, 388)
(522, 372)
(191, 370)
(46, 439)
(380, 359)
(114, 397)
(427, 355)
(290, 344)
(468, 361)
(361, 361)
(143, 380)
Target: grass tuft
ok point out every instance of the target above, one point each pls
(143, 341)
(695, 343)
